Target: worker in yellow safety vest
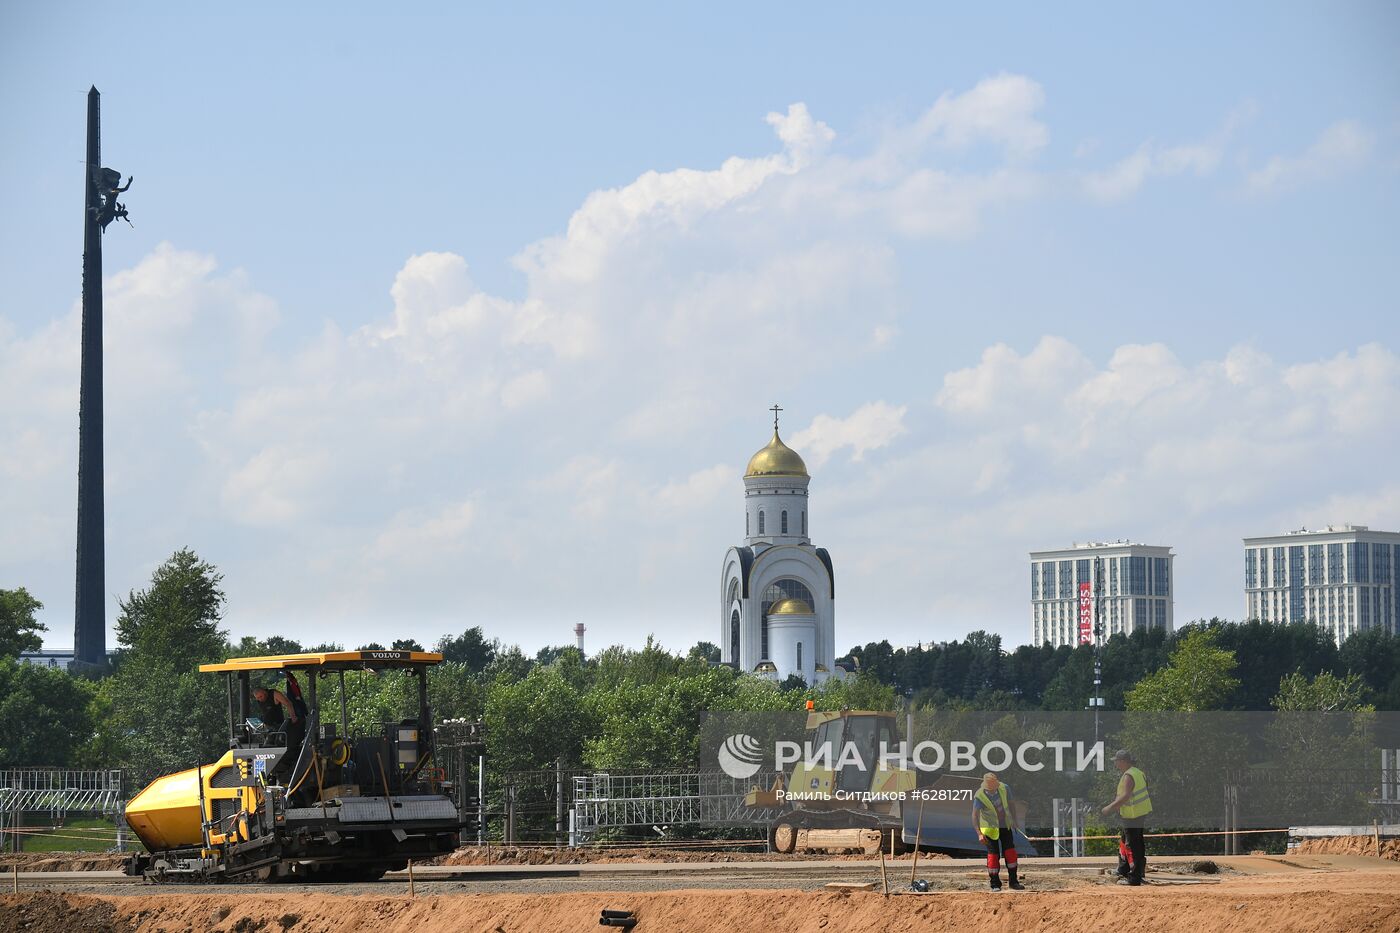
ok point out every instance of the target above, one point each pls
(1132, 805)
(991, 817)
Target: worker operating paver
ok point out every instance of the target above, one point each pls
(991, 817)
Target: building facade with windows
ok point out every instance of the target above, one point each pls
(57, 658)
(1342, 578)
(1131, 586)
(777, 591)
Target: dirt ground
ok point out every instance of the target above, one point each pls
(62, 861)
(1308, 902)
(471, 855)
(1349, 845)
(529, 855)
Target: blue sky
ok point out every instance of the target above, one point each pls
(470, 316)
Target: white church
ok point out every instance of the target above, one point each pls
(777, 591)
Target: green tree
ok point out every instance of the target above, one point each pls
(164, 714)
(1273, 651)
(1375, 655)
(656, 724)
(45, 717)
(1126, 659)
(251, 647)
(859, 692)
(1030, 668)
(535, 720)
(176, 619)
(1326, 693)
(19, 630)
(455, 692)
(551, 653)
(649, 665)
(507, 665)
(705, 651)
(1322, 737)
(406, 644)
(470, 648)
(793, 682)
(1071, 686)
(1199, 677)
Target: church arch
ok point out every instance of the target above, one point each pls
(734, 637)
(786, 588)
(760, 521)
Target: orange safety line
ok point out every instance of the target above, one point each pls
(66, 829)
(1218, 832)
(49, 835)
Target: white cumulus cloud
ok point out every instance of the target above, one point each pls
(870, 427)
(1341, 146)
(536, 458)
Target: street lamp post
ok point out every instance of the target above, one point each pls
(1098, 643)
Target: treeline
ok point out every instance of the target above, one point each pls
(977, 673)
(154, 713)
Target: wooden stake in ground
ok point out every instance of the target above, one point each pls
(1376, 830)
(918, 835)
(15, 874)
(410, 878)
(884, 882)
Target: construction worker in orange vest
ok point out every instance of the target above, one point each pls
(1132, 805)
(991, 817)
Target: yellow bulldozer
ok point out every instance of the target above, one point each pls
(304, 800)
(825, 805)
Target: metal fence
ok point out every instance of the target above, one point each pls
(603, 800)
(56, 793)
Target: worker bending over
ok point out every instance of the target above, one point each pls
(272, 702)
(1132, 805)
(991, 817)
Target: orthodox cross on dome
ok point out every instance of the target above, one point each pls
(775, 409)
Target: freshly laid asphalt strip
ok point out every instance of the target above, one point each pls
(1048, 872)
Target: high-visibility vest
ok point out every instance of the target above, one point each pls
(987, 816)
(1140, 803)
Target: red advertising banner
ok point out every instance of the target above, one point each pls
(1086, 613)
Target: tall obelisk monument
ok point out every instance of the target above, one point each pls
(100, 208)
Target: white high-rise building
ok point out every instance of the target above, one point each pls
(1133, 591)
(1341, 577)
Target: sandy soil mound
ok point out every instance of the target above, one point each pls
(1349, 845)
(62, 861)
(1358, 903)
(59, 913)
(526, 855)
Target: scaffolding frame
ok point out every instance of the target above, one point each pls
(58, 792)
(603, 800)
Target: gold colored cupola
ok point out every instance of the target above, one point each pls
(777, 459)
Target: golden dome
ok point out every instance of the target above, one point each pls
(777, 459)
(790, 607)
